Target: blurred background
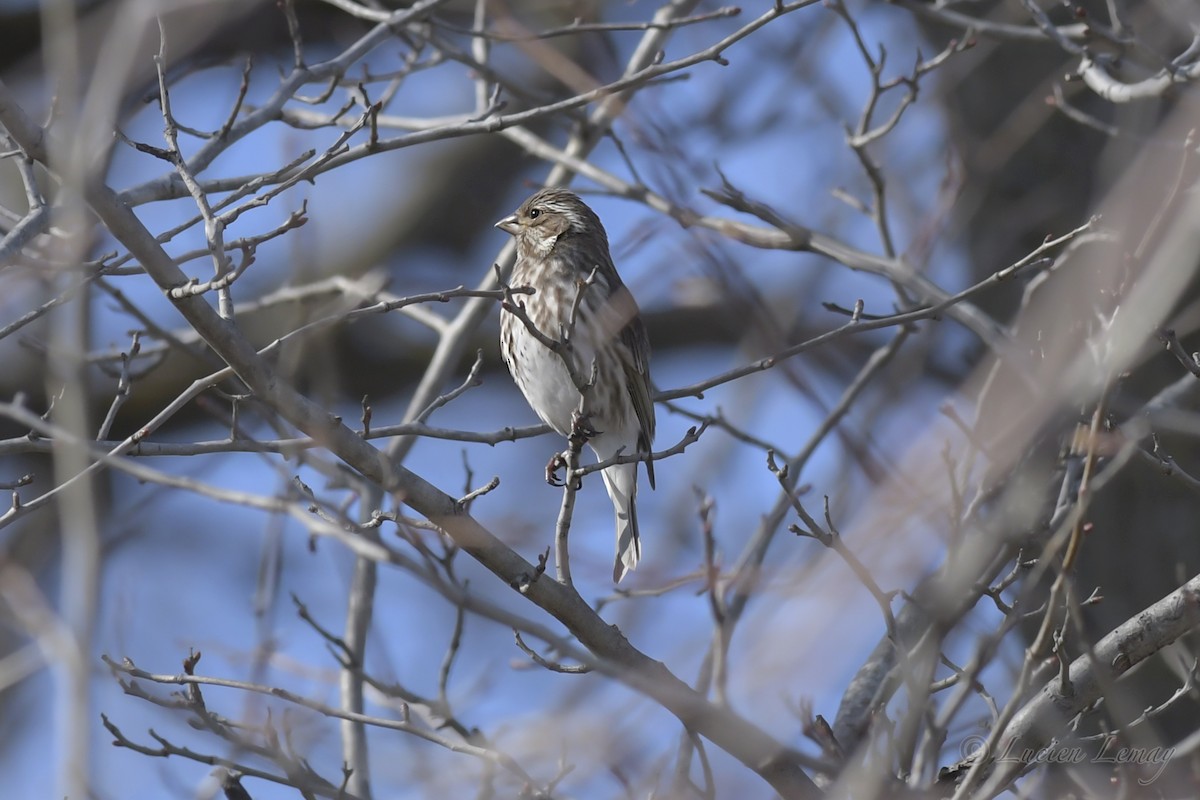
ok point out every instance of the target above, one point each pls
(997, 146)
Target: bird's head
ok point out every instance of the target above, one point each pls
(548, 215)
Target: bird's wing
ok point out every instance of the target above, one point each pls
(618, 311)
(637, 374)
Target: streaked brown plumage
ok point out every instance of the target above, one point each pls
(560, 241)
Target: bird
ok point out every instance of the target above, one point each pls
(562, 250)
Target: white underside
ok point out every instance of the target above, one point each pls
(552, 394)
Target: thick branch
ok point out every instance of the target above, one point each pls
(1131, 643)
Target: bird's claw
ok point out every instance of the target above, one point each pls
(555, 463)
(559, 461)
(582, 429)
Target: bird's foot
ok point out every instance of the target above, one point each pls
(582, 429)
(556, 462)
(559, 461)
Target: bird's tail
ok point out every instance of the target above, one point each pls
(621, 482)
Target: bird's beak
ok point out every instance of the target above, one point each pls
(509, 224)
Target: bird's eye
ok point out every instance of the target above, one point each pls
(534, 213)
